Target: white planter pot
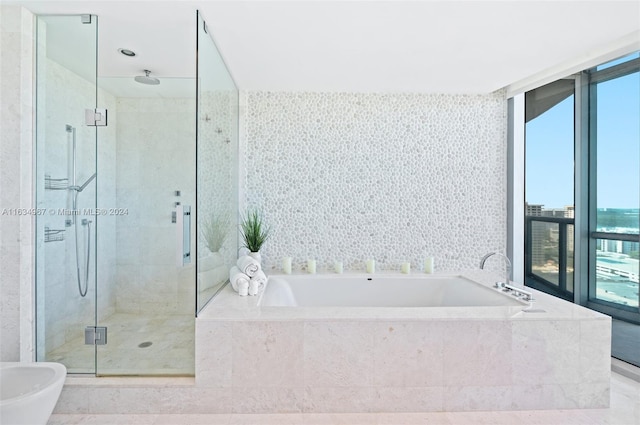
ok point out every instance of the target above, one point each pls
(256, 256)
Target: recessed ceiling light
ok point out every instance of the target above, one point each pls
(127, 52)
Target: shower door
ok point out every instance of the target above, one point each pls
(66, 180)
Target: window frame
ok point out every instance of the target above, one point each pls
(585, 191)
(591, 78)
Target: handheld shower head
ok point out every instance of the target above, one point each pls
(147, 79)
(87, 182)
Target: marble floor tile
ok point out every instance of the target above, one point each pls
(102, 420)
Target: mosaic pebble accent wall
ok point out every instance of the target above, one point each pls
(393, 177)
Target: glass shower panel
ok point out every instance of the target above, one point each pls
(147, 163)
(217, 153)
(65, 190)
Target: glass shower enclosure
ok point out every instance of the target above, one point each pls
(125, 256)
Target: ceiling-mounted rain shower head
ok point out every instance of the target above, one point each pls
(146, 79)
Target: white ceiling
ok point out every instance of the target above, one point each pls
(358, 46)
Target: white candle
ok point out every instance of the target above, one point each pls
(337, 266)
(311, 266)
(371, 266)
(428, 265)
(405, 268)
(286, 265)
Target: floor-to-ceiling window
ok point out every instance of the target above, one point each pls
(549, 188)
(582, 191)
(614, 138)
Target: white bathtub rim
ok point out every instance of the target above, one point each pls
(515, 304)
(228, 306)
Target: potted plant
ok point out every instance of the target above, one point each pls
(254, 232)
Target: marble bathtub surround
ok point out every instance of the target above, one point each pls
(331, 359)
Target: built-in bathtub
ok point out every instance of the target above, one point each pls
(398, 351)
(383, 291)
(402, 357)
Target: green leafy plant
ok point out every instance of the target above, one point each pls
(215, 231)
(254, 231)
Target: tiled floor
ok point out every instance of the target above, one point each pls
(624, 410)
(171, 352)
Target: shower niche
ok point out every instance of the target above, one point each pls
(107, 241)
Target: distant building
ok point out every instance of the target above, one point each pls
(542, 232)
(569, 211)
(533, 209)
(617, 247)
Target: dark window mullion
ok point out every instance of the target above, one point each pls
(562, 256)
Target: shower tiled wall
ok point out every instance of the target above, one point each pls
(392, 177)
(16, 232)
(63, 99)
(155, 158)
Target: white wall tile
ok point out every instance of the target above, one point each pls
(151, 132)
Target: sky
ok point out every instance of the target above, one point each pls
(549, 149)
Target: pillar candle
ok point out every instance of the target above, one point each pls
(338, 267)
(311, 266)
(406, 268)
(428, 265)
(286, 265)
(371, 266)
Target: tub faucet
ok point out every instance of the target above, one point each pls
(508, 271)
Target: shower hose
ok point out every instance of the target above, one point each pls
(83, 291)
